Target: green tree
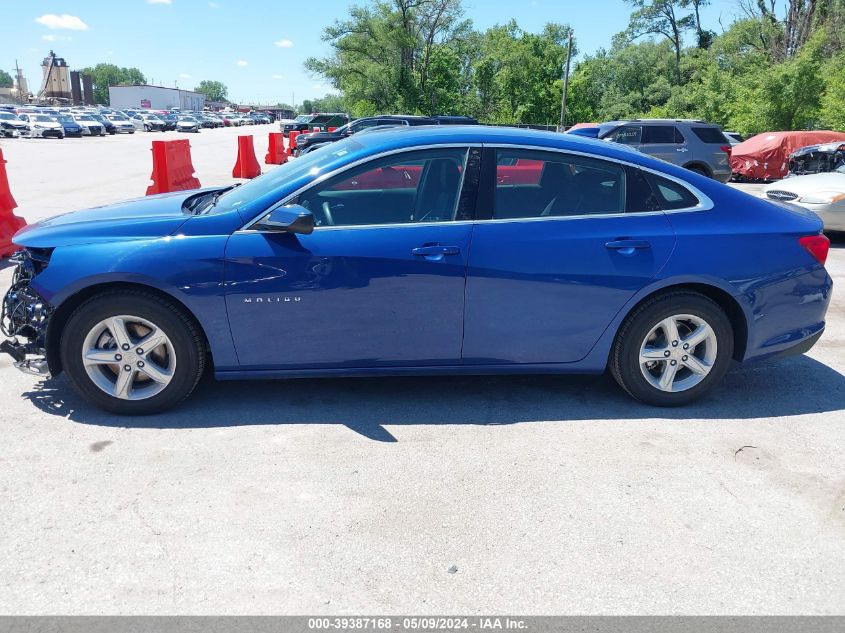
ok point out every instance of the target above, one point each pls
(105, 75)
(832, 112)
(661, 17)
(5, 79)
(386, 52)
(213, 90)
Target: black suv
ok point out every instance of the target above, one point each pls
(307, 142)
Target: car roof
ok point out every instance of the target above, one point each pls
(385, 138)
(657, 121)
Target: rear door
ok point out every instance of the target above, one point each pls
(665, 142)
(554, 259)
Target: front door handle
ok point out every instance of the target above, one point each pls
(628, 247)
(435, 252)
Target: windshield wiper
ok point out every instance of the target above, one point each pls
(216, 197)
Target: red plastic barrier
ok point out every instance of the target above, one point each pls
(524, 172)
(292, 141)
(276, 154)
(9, 222)
(247, 164)
(172, 167)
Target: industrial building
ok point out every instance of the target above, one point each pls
(155, 98)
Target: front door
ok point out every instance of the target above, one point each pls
(380, 281)
(560, 255)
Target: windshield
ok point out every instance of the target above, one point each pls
(41, 117)
(65, 118)
(312, 164)
(84, 117)
(114, 117)
(8, 116)
(303, 118)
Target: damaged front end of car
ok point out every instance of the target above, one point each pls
(25, 314)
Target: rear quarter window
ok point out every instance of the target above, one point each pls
(710, 135)
(672, 195)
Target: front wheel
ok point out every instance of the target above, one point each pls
(132, 353)
(673, 349)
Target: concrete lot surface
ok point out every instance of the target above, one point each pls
(548, 495)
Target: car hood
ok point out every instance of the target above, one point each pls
(142, 218)
(813, 183)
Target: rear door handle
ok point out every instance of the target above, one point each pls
(435, 252)
(628, 247)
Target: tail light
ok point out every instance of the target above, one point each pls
(817, 245)
(727, 149)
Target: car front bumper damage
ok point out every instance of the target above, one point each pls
(25, 316)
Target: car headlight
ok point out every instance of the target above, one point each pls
(38, 126)
(823, 197)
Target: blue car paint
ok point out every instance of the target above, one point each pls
(354, 301)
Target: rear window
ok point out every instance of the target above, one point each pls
(711, 135)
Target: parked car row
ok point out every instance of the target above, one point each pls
(309, 141)
(61, 122)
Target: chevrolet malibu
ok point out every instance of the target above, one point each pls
(461, 250)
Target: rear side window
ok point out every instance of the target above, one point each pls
(710, 135)
(639, 194)
(535, 184)
(662, 134)
(672, 195)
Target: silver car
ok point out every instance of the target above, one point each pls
(695, 145)
(822, 193)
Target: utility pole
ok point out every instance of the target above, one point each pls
(565, 78)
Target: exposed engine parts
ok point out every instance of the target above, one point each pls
(25, 315)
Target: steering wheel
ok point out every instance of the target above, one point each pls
(327, 213)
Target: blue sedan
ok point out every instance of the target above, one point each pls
(462, 250)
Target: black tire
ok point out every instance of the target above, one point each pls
(184, 335)
(698, 169)
(625, 356)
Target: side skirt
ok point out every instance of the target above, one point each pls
(457, 370)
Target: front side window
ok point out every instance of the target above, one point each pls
(535, 184)
(627, 135)
(407, 188)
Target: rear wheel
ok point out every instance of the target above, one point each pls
(673, 349)
(132, 353)
(698, 169)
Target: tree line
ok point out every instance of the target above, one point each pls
(780, 64)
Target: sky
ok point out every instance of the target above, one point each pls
(255, 47)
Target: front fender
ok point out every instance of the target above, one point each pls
(186, 268)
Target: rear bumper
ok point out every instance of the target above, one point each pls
(801, 347)
(789, 315)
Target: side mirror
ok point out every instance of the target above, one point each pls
(292, 218)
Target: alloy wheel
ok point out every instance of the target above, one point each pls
(128, 357)
(678, 353)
